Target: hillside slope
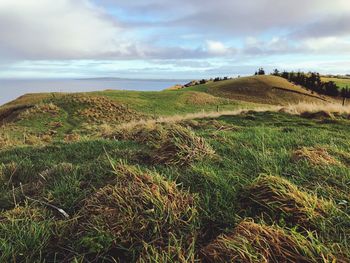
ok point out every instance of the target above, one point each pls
(227, 189)
(260, 89)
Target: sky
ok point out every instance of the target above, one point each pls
(167, 39)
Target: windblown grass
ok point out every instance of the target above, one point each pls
(170, 144)
(316, 156)
(330, 108)
(141, 212)
(277, 200)
(255, 243)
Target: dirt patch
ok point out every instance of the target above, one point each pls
(255, 243)
(315, 156)
(141, 208)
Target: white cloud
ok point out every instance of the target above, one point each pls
(216, 47)
(47, 29)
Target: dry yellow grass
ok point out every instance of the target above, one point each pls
(295, 109)
(315, 156)
(49, 108)
(191, 116)
(303, 107)
(140, 208)
(257, 243)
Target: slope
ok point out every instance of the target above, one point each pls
(260, 89)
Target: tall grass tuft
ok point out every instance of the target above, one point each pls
(258, 243)
(140, 208)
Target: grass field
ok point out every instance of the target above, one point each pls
(341, 83)
(120, 176)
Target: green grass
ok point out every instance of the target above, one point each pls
(165, 192)
(28, 126)
(170, 102)
(247, 147)
(341, 83)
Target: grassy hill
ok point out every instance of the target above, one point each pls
(260, 89)
(101, 177)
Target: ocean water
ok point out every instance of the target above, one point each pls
(13, 88)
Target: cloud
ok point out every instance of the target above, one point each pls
(241, 18)
(217, 48)
(60, 29)
(182, 34)
(333, 26)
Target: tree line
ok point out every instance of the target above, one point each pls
(311, 81)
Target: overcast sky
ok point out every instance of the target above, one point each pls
(171, 39)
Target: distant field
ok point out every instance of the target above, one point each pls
(341, 83)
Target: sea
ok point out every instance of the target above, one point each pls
(10, 89)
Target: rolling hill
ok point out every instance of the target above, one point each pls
(260, 89)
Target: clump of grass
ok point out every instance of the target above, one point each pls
(315, 156)
(255, 243)
(181, 147)
(32, 139)
(280, 200)
(141, 207)
(25, 233)
(170, 144)
(5, 141)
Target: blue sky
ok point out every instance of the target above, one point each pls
(171, 39)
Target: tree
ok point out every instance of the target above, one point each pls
(261, 71)
(312, 81)
(276, 72)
